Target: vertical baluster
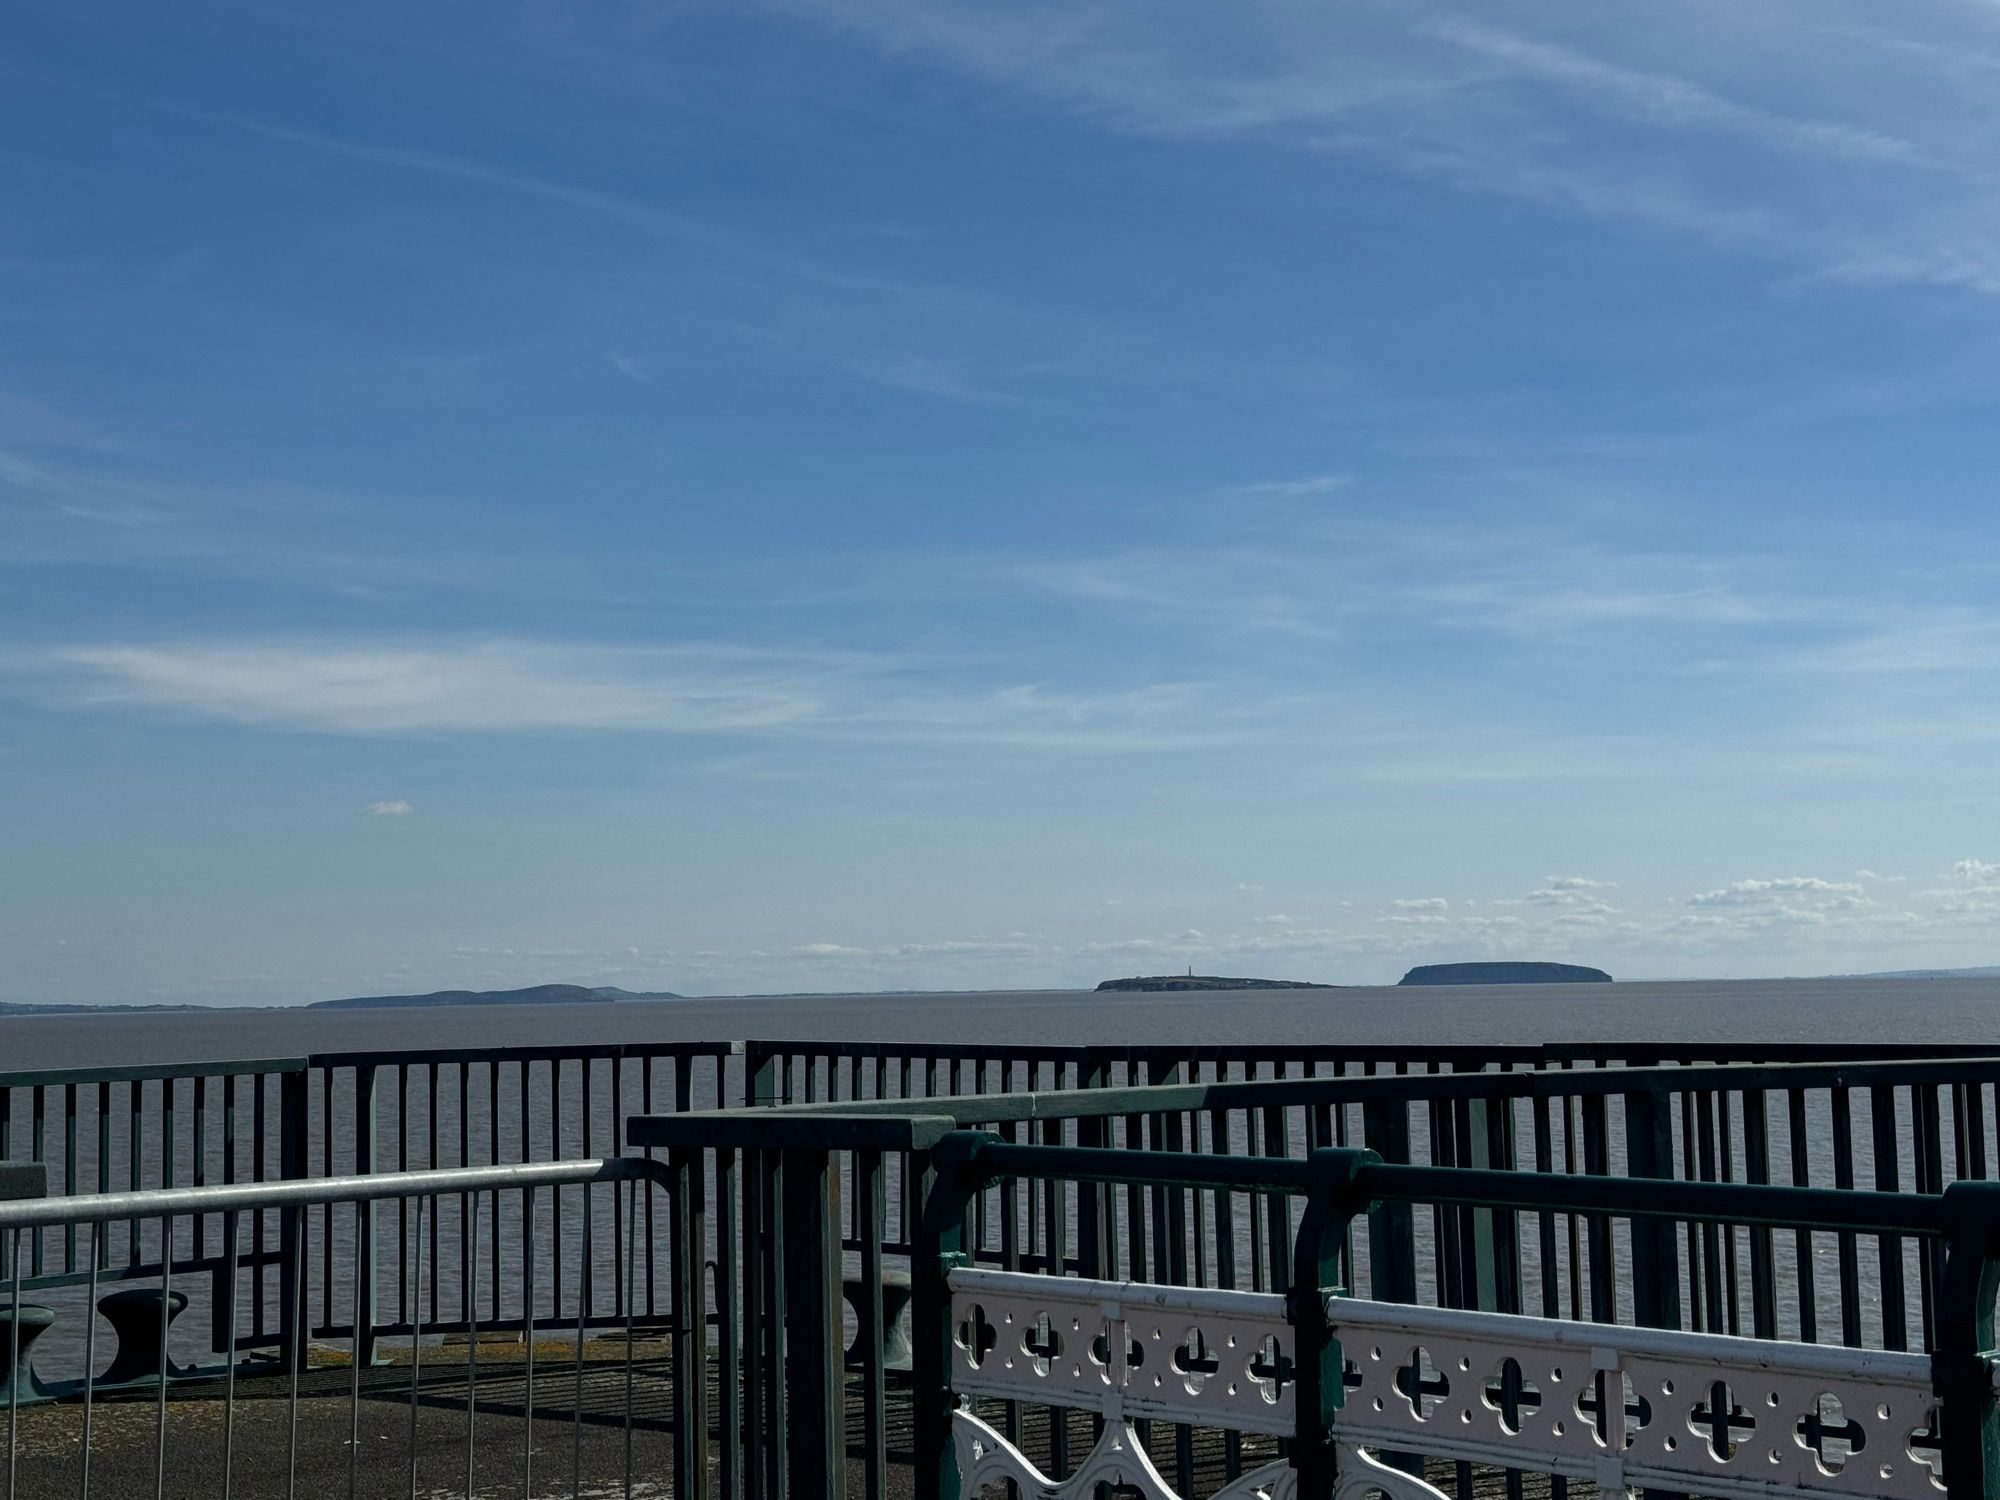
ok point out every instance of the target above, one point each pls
(1551, 1288)
(198, 1223)
(99, 1255)
(295, 1317)
(1895, 1318)
(431, 1160)
(40, 1139)
(360, 1346)
(1597, 1163)
(529, 1213)
(327, 1127)
(1929, 1150)
(72, 1176)
(1847, 1246)
(728, 1208)
(425, 1212)
(618, 1257)
(556, 1153)
(1757, 1169)
(1711, 1234)
(1802, 1240)
(582, 1317)
(468, 1210)
(166, 1357)
(259, 1279)
(14, 1381)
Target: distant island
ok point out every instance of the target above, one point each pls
(539, 994)
(1504, 973)
(1207, 982)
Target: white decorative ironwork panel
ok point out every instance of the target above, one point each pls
(1638, 1407)
(1117, 1458)
(1125, 1349)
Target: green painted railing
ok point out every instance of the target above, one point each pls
(1814, 1126)
(1337, 1186)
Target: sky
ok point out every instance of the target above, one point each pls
(827, 495)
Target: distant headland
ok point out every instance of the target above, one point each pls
(539, 994)
(1504, 973)
(1207, 982)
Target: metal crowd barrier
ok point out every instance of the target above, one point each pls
(546, 1385)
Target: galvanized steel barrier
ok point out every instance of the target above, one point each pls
(390, 1409)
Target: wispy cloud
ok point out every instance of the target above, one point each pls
(394, 809)
(1295, 489)
(1560, 120)
(1667, 101)
(453, 686)
(456, 685)
(632, 369)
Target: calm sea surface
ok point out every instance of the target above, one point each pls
(1776, 1010)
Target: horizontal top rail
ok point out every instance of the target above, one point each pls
(1174, 1098)
(1531, 1053)
(146, 1072)
(1361, 1177)
(911, 1128)
(89, 1208)
(580, 1051)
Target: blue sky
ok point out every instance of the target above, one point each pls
(922, 494)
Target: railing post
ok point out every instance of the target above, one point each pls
(939, 1248)
(814, 1369)
(1649, 1152)
(366, 1264)
(1392, 1232)
(1962, 1365)
(689, 1241)
(760, 1074)
(293, 1137)
(1318, 1360)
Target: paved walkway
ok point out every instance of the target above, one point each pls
(576, 1443)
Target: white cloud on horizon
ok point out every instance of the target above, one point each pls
(1751, 892)
(393, 809)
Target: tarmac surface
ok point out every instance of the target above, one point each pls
(341, 1437)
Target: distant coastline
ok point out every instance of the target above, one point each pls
(539, 994)
(1163, 982)
(39, 1008)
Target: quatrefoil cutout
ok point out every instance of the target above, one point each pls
(1194, 1361)
(1829, 1434)
(1422, 1384)
(976, 1336)
(1512, 1395)
(1041, 1344)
